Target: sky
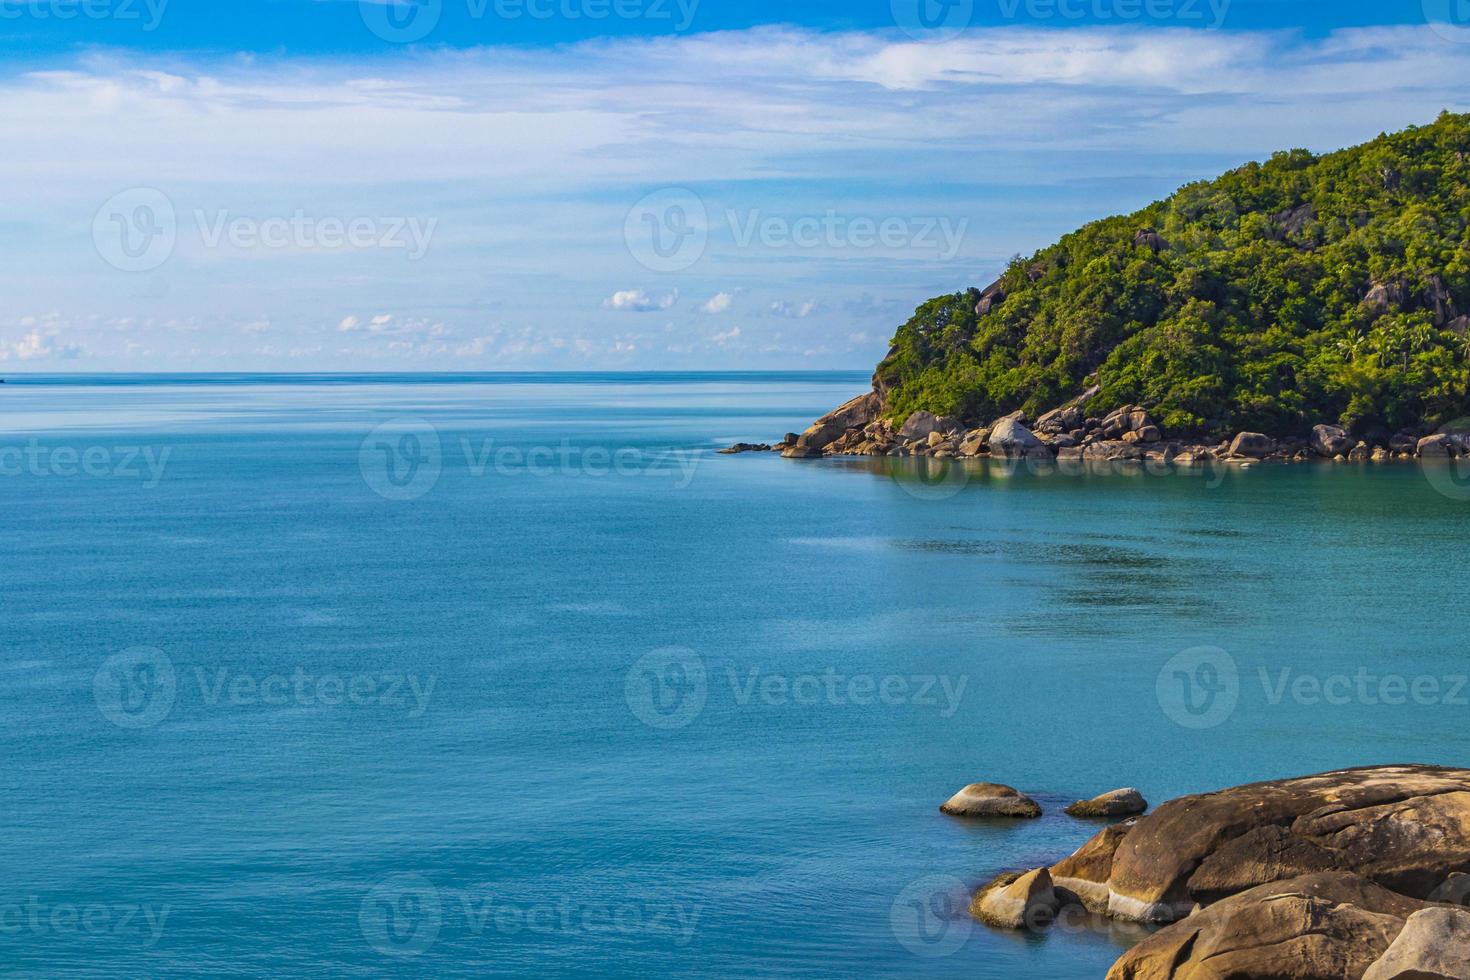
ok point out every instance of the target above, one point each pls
(421, 185)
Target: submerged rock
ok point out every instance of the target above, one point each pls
(991, 800)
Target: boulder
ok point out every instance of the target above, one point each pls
(1087, 871)
(1438, 444)
(1439, 301)
(921, 425)
(1433, 945)
(1150, 239)
(1294, 221)
(853, 414)
(1385, 297)
(1010, 438)
(993, 296)
(1330, 926)
(1460, 325)
(974, 442)
(1017, 901)
(1113, 449)
(1118, 803)
(1252, 444)
(1330, 440)
(1403, 827)
(990, 800)
(1403, 442)
(746, 447)
(1060, 420)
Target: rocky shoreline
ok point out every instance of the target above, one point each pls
(1128, 434)
(1358, 873)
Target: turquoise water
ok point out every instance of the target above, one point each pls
(446, 676)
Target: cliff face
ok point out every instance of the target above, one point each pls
(1304, 290)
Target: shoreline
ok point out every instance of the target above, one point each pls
(860, 427)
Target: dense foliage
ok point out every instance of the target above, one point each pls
(1306, 289)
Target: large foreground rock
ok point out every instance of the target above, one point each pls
(1329, 926)
(1403, 827)
(990, 800)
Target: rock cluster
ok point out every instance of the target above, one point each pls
(1345, 874)
(1069, 433)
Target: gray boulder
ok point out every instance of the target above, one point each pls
(1437, 445)
(1330, 440)
(1010, 438)
(1127, 802)
(1253, 444)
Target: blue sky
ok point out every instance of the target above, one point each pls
(603, 184)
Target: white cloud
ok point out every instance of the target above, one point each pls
(718, 303)
(796, 311)
(639, 301)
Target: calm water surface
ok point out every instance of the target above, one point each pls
(452, 676)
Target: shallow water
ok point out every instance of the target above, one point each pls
(286, 693)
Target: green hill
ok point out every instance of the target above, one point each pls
(1301, 290)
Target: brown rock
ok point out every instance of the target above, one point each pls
(1433, 945)
(1118, 803)
(1017, 901)
(1404, 827)
(1330, 926)
(1252, 444)
(1086, 872)
(990, 800)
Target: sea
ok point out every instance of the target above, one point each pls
(516, 675)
